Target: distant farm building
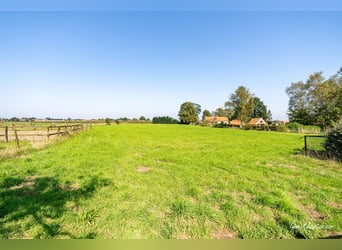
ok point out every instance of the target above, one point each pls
(236, 123)
(257, 122)
(216, 120)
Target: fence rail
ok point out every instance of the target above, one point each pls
(17, 133)
(63, 129)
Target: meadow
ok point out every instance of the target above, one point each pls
(144, 181)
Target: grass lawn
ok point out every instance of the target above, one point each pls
(170, 181)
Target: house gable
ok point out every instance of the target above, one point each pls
(257, 122)
(236, 122)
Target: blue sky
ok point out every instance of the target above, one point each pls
(132, 63)
(173, 5)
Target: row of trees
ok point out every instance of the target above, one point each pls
(164, 120)
(317, 101)
(108, 121)
(242, 105)
(16, 119)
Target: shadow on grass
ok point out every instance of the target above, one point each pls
(318, 154)
(26, 203)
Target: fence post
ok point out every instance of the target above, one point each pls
(305, 145)
(6, 133)
(16, 138)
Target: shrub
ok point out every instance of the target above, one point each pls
(108, 121)
(295, 126)
(333, 144)
(221, 125)
(281, 127)
(312, 129)
(164, 120)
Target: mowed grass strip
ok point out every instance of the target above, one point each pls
(170, 181)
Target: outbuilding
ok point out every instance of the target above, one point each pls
(257, 122)
(216, 120)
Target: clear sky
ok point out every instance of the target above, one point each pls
(132, 63)
(173, 5)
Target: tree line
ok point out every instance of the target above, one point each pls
(242, 105)
(317, 101)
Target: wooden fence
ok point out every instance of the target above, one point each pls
(63, 129)
(19, 133)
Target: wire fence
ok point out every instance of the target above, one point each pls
(314, 144)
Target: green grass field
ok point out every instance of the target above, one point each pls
(170, 181)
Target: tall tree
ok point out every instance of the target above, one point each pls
(269, 116)
(225, 112)
(242, 103)
(197, 109)
(329, 101)
(299, 107)
(260, 109)
(317, 101)
(205, 114)
(189, 112)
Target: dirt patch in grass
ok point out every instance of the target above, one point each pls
(256, 218)
(270, 164)
(143, 169)
(31, 178)
(316, 215)
(29, 181)
(71, 187)
(224, 233)
(307, 209)
(291, 167)
(183, 236)
(335, 205)
(313, 213)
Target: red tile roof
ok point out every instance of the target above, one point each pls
(257, 121)
(216, 119)
(236, 122)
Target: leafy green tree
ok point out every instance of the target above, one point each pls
(108, 121)
(317, 101)
(14, 119)
(329, 101)
(298, 108)
(189, 112)
(226, 112)
(269, 116)
(205, 114)
(197, 109)
(260, 109)
(242, 104)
